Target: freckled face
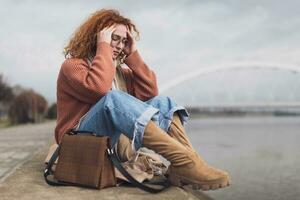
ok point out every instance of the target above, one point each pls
(118, 40)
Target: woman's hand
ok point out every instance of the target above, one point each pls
(130, 46)
(105, 34)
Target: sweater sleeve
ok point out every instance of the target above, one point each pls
(90, 83)
(142, 80)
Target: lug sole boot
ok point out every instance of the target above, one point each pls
(187, 167)
(210, 178)
(177, 132)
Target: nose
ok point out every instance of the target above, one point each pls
(120, 45)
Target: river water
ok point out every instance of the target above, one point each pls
(260, 153)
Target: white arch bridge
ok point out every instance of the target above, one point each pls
(211, 69)
(251, 106)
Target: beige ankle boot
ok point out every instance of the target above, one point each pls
(177, 132)
(124, 149)
(187, 168)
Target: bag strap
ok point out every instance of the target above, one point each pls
(116, 162)
(48, 169)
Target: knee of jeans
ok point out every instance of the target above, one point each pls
(160, 99)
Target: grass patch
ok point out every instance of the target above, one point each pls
(4, 122)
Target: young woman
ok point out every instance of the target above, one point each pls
(104, 86)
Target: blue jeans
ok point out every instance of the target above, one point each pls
(118, 112)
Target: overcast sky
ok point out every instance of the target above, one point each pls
(177, 37)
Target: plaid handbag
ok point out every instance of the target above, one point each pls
(87, 160)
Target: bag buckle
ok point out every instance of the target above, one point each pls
(110, 151)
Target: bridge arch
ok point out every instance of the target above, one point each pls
(211, 69)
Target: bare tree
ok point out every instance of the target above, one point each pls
(52, 113)
(28, 106)
(6, 93)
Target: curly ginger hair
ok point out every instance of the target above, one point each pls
(83, 43)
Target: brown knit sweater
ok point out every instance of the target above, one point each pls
(79, 86)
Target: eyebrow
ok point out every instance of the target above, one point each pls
(120, 36)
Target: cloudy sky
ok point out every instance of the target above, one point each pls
(177, 37)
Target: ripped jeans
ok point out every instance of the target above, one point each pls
(119, 112)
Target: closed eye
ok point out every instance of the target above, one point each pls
(115, 37)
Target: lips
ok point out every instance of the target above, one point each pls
(115, 52)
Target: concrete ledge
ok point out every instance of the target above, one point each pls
(27, 183)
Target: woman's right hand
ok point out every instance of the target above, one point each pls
(105, 34)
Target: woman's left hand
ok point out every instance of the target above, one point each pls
(130, 46)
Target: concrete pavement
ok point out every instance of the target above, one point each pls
(19, 143)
